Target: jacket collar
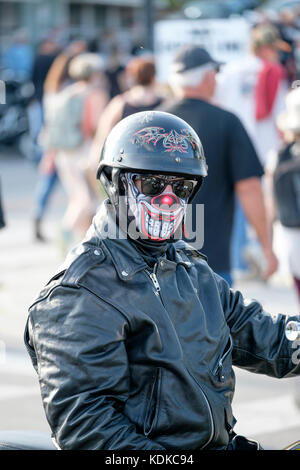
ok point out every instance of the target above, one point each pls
(126, 258)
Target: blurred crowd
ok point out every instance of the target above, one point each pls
(81, 90)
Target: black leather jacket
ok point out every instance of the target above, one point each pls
(128, 359)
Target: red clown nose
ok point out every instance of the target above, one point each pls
(167, 200)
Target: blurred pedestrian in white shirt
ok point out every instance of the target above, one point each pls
(255, 87)
(283, 184)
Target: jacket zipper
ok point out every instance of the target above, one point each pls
(150, 401)
(218, 367)
(209, 412)
(154, 279)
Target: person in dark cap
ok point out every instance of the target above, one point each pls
(192, 57)
(232, 160)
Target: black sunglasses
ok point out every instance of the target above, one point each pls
(152, 185)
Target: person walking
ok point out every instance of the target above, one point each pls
(231, 158)
(254, 88)
(288, 28)
(51, 82)
(283, 192)
(45, 55)
(57, 78)
(71, 127)
(283, 183)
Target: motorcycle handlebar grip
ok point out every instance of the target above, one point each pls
(292, 330)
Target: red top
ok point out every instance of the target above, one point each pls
(269, 79)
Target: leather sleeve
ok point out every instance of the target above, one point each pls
(259, 340)
(79, 341)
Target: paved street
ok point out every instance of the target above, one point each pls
(265, 407)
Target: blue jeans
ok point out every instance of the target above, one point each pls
(239, 239)
(44, 188)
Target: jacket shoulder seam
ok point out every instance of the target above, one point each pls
(81, 265)
(194, 253)
(69, 275)
(85, 288)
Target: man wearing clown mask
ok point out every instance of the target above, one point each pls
(135, 337)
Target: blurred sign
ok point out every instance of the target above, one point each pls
(225, 39)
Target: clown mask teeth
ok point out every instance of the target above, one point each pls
(166, 230)
(157, 228)
(158, 224)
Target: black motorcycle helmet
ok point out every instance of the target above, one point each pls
(151, 142)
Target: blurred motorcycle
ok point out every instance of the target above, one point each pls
(14, 119)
